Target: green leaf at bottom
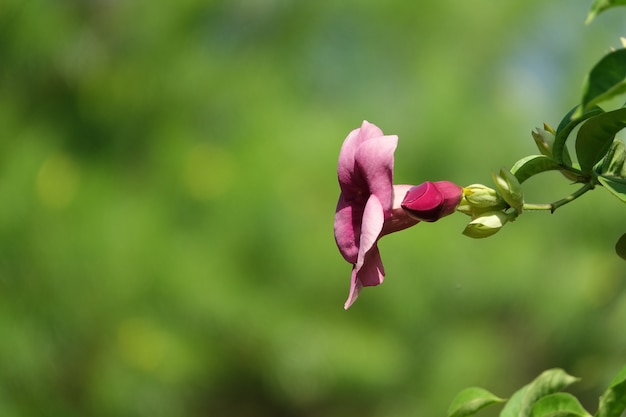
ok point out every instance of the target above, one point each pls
(470, 400)
(560, 404)
(613, 401)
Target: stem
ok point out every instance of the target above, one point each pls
(555, 205)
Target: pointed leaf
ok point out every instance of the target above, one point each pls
(615, 185)
(559, 151)
(613, 400)
(514, 404)
(601, 5)
(607, 79)
(549, 382)
(595, 137)
(560, 404)
(470, 400)
(532, 165)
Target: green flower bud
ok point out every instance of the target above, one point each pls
(510, 189)
(544, 139)
(486, 225)
(480, 196)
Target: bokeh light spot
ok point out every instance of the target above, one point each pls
(208, 171)
(141, 344)
(57, 181)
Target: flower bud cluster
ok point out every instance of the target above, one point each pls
(488, 207)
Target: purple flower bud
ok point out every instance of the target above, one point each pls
(431, 201)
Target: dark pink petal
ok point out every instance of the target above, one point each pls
(348, 218)
(347, 159)
(372, 272)
(431, 201)
(452, 194)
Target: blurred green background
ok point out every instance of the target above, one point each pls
(168, 186)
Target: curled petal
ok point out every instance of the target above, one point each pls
(347, 154)
(371, 226)
(374, 161)
(348, 228)
(370, 274)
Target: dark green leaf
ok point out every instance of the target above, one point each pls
(595, 137)
(559, 151)
(615, 185)
(532, 165)
(613, 401)
(470, 400)
(560, 404)
(607, 79)
(601, 5)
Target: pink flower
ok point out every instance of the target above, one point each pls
(369, 204)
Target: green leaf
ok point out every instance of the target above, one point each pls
(560, 404)
(599, 6)
(514, 405)
(596, 136)
(470, 400)
(613, 400)
(613, 162)
(607, 79)
(615, 185)
(532, 165)
(620, 248)
(559, 151)
(549, 382)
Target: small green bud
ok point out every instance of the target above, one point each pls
(465, 208)
(544, 139)
(478, 195)
(486, 225)
(510, 189)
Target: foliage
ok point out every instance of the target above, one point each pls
(543, 398)
(600, 161)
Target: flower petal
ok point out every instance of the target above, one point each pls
(355, 289)
(370, 274)
(399, 219)
(348, 218)
(374, 162)
(346, 164)
(371, 226)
